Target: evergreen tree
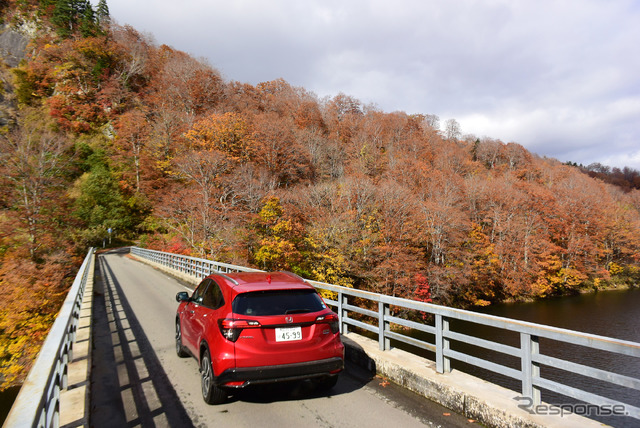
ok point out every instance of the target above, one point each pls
(88, 25)
(73, 15)
(102, 13)
(64, 17)
(101, 205)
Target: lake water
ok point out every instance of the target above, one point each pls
(607, 313)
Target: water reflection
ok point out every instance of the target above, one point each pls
(611, 313)
(607, 313)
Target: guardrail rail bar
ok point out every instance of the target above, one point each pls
(528, 351)
(38, 402)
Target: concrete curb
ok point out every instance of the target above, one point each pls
(190, 279)
(487, 403)
(74, 399)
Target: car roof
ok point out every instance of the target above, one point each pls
(245, 282)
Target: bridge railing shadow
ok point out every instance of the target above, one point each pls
(129, 386)
(529, 362)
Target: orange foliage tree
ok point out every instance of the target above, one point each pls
(227, 133)
(272, 176)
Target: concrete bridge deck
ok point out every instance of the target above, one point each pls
(137, 380)
(117, 367)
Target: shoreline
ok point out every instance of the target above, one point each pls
(582, 291)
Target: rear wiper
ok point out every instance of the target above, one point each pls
(297, 311)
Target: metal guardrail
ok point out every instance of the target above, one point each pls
(529, 354)
(38, 402)
(193, 266)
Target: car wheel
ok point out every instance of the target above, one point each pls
(327, 382)
(179, 348)
(211, 393)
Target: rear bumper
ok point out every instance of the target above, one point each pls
(280, 373)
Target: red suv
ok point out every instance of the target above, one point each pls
(257, 327)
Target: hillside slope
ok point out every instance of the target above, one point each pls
(111, 131)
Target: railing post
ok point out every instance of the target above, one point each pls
(443, 364)
(339, 311)
(342, 313)
(530, 346)
(383, 311)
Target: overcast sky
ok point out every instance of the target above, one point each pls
(560, 77)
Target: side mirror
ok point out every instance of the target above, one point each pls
(182, 296)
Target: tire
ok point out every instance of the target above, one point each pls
(211, 393)
(179, 348)
(328, 382)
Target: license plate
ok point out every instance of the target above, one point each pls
(288, 334)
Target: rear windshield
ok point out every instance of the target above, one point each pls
(279, 302)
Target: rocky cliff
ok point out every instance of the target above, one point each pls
(13, 45)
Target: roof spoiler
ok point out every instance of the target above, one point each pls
(225, 277)
(293, 275)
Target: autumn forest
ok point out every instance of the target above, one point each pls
(104, 129)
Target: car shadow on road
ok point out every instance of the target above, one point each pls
(351, 379)
(128, 384)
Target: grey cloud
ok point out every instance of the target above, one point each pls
(561, 78)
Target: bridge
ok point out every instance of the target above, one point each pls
(109, 360)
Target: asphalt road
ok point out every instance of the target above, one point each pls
(137, 379)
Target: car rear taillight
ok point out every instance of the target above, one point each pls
(331, 319)
(231, 328)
